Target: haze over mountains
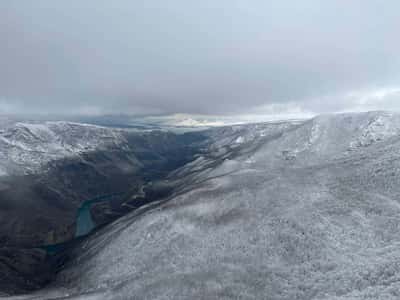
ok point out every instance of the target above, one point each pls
(304, 209)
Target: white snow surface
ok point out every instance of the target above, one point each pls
(303, 211)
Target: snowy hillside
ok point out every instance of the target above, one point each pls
(26, 147)
(288, 211)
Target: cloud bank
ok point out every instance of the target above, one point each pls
(199, 57)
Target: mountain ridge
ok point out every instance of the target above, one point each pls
(288, 210)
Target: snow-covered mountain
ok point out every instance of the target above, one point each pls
(26, 147)
(49, 169)
(286, 210)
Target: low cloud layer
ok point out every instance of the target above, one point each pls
(200, 57)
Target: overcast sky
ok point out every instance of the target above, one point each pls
(203, 57)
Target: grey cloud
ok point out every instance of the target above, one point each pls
(208, 57)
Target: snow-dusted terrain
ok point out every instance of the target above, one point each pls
(49, 169)
(287, 210)
(26, 147)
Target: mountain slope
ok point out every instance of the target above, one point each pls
(303, 210)
(51, 168)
